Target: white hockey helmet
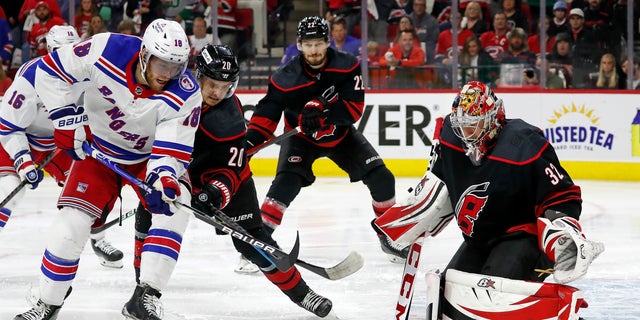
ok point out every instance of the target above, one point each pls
(167, 41)
(59, 36)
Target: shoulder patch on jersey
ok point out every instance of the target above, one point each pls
(186, 83)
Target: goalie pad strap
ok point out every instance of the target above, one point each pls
(427, 210)
(476, 296)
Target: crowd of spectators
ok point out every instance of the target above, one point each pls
(24, 24)
(408, 45)
(498, 42)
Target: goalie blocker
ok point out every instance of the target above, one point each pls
(476, 296)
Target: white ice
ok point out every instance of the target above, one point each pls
(332, 217)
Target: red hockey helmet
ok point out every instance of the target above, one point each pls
(477, 116)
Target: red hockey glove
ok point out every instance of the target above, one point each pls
(26, 168)
(71, 141)
(166, 190)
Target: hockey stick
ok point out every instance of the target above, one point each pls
(114, 221)
(24, 182)
(282, 260)
(275, 140)
(405, 297)
(348, 266)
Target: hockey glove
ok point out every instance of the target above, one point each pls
(315, 112)
(166, 189)
(212, 198)
(26, 168)
(71, 141)
(563, 242)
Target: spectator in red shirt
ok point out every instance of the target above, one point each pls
(40, 29)
(444, 48)
(30, 5)
(404, 53)
(82, 20)
(494, 42)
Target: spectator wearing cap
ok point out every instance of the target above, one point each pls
(40, 29)
(559, 22)
(560, 59)
(518, 52)
(29, 6)
(586, 53)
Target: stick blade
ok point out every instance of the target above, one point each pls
(350, 265)
(286, 262)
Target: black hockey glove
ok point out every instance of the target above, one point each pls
(315, 112)
(208, 200)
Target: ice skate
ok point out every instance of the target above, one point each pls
(316, 304)
(41, 311)
(144, 304)
(246, 266)
(395, 252)
(108, 255)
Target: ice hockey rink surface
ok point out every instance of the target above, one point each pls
(332, 217)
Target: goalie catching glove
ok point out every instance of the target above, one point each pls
(564, 243)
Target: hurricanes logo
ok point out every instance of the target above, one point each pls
(486, 283)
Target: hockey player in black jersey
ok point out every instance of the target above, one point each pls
(321, 91)
(516, 206)
(221, 177)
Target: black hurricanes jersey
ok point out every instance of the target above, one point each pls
(218, 152)
(517, 181)
(295, 84)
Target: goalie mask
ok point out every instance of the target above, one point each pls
(477, 116)
(219, 63)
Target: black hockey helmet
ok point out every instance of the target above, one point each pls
(217, 62)
(313, 27)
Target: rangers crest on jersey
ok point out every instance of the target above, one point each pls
(187, 84)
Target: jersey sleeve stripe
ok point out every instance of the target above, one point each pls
(167, 100)
(41, 143)
(7, 127)
(111, 71)
(51, 64)
(355, 109)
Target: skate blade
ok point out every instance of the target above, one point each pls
(247, 269)
(112, 264)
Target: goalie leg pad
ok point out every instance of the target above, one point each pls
(428, 209)
(476, 296)
(564, 243)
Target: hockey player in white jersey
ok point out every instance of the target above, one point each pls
(141, 110)
(26, 135)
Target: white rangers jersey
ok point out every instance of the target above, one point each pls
(24, 120)
(129, 122)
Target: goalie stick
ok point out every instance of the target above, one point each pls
(282, 260)
(405, 296)
(24, 182)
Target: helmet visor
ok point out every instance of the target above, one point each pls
(165, 69)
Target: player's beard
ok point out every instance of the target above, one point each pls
(316, 61)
